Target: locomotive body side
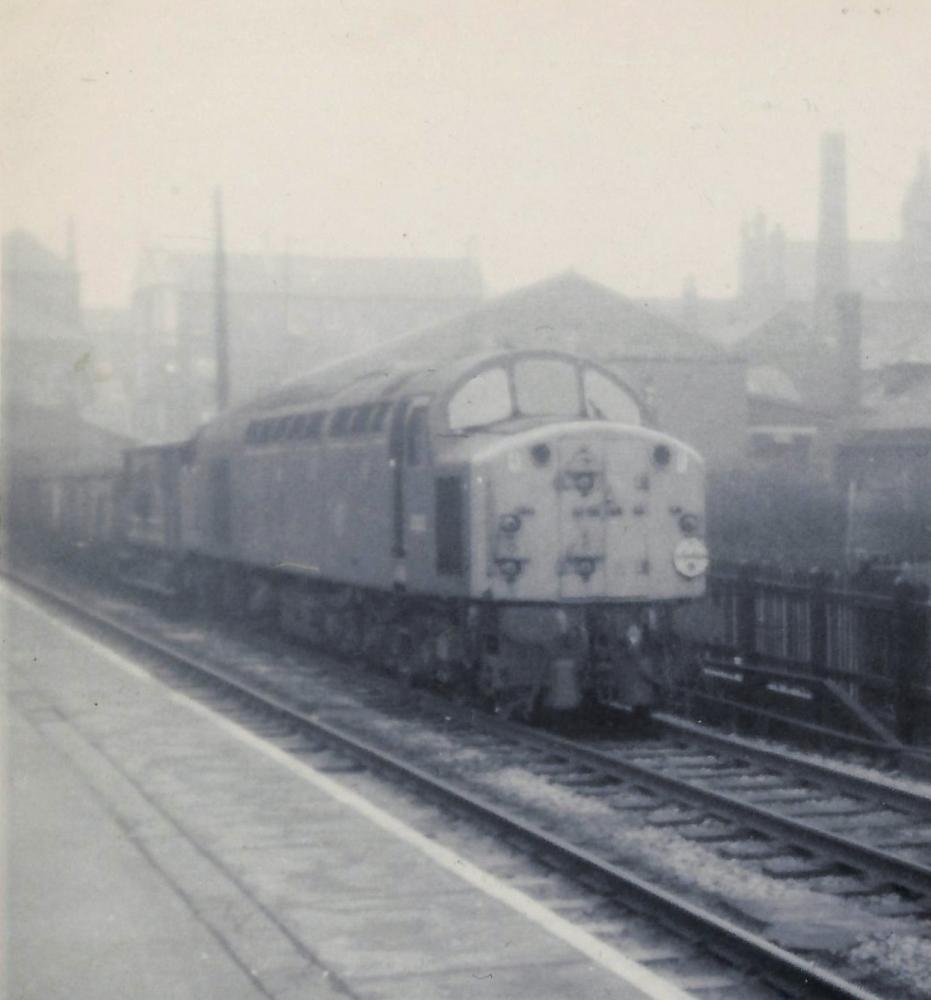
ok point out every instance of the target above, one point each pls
(505, 522)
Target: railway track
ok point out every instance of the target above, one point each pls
(800, 818)
(597, 771)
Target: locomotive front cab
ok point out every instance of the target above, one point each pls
(575, 499)
(583, 523)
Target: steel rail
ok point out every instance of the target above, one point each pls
(908, 874)
(751, 953)
(890, 795)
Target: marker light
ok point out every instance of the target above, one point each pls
(510, 569)
(585, 567)
(690, 558)
(584, 482)
(688, 524)
(509, 523)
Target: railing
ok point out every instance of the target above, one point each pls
(849, 651)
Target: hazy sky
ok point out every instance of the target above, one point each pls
(624, 139)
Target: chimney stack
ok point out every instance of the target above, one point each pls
(831, 264)
(221, 332)
(849, 348)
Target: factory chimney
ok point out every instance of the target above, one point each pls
(220, 326)
(849, 351)
(831, 259)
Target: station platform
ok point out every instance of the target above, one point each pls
(156, 849)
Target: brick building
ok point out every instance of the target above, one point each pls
(285, 313)
(44, 345)
(49, 370)
(694, 388)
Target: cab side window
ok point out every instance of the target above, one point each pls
(416, 443)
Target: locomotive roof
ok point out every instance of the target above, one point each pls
(362, 379)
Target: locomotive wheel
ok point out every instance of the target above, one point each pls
(517, 705)
(350, 641)
(400, 657)
(424, 659)
(207, 590)
(344, 632)
(233, 595)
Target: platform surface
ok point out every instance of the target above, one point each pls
(157, 850)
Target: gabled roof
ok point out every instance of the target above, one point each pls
(909, 410)
(23, 253)
(769, 382)
(765, 412)
(318, 277)
(567, 312)
(46, 440)
(787, 331)
(896, 332)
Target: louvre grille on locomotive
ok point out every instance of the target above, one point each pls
(505, 522)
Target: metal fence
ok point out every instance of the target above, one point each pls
(869, 638)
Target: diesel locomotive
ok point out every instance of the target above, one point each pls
(507, 523)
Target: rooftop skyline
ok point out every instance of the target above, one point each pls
(627, 141)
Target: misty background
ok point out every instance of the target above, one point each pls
(626, 140)
(729, 204)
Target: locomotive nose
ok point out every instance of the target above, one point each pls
(596, 512)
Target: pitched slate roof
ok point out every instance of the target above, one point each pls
(45, 440)
(896, 332)
(567, 312)
(24, 254)
(906, 411)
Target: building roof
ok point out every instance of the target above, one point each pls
(909, 410)
(567, 312)
(764, 411)
(896, 332)
(41, 300)
(786, 331)
(42, 440)
(769, 382)
(24, 254)
(318, 277)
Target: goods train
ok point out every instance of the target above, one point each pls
(505, 522)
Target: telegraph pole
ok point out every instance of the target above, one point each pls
(219, 288)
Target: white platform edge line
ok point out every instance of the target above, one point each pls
(606, 956)
(649, 983)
